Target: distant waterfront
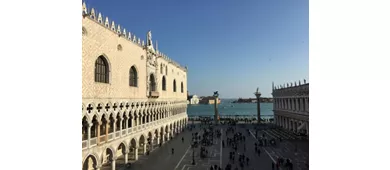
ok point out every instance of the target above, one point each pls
(225, 108)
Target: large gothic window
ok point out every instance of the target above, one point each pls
(182, 87)
(152, 83)
(164, 84)
(133, 77)
(161, 68)
(101, 70)
(174, 85)
(166, 70)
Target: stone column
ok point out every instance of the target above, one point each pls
(307, 104)
(126, 156)
(216, 114)
(120, 126)
(106, 138)
(162, 138)
(258, 94)
(114, 124)
(144, 149)
(89, 134)
(307, 128)
(127, 124)
(113, 165)
(136, 153)
(158, 140)
(151, 144)
(98, 134)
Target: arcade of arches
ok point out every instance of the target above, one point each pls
(120, 132)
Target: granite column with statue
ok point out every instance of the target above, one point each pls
(216, 114)
(258, 94)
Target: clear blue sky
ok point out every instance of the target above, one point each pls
(233, 46)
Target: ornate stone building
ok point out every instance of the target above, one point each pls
(291, 106)
(133, 96)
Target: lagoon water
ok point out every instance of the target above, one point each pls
(228, 108)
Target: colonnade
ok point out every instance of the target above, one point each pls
(299, 103)
(291, 123)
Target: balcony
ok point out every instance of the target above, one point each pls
(153, 94)
(129, 130)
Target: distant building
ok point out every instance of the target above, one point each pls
(193, 99)
(208, 100)
(291, 107)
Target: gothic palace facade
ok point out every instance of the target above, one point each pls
(133, 96)
(291, 107)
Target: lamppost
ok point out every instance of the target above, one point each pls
(216, 115)
(258, 94)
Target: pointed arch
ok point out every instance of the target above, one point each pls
(164, 84)
(174, 85)
(133, 76)
(182, 87)
(102, 70)
(152, 82)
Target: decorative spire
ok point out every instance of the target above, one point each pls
(113, 25)
(107, 23)
(124, 32)
(118, 30)
(273, 87)
(304, 81)
(299, 82)
(93, 16)
(100, 20)
(85, 11)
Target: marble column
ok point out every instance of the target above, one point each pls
(127, 125)
(113, 165)
(98, 134)
(144, 149)
(307, 128)
(120, 126)
(89, 134)
(158, 140)
(151, 144)
(114, 128)
(307, 102)
(126, 156)
(162, 138)
(136, 153)
(106, 128)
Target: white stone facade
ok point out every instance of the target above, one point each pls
(135, 103)
(291, 106)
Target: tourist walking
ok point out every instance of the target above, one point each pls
(173, 151)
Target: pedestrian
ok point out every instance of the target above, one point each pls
(173, 151)
(273, 165)
(182, 139)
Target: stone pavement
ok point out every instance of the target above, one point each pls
(291, 147)
(163, 159)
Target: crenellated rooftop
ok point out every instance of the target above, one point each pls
(289, 85)
(124, 34)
